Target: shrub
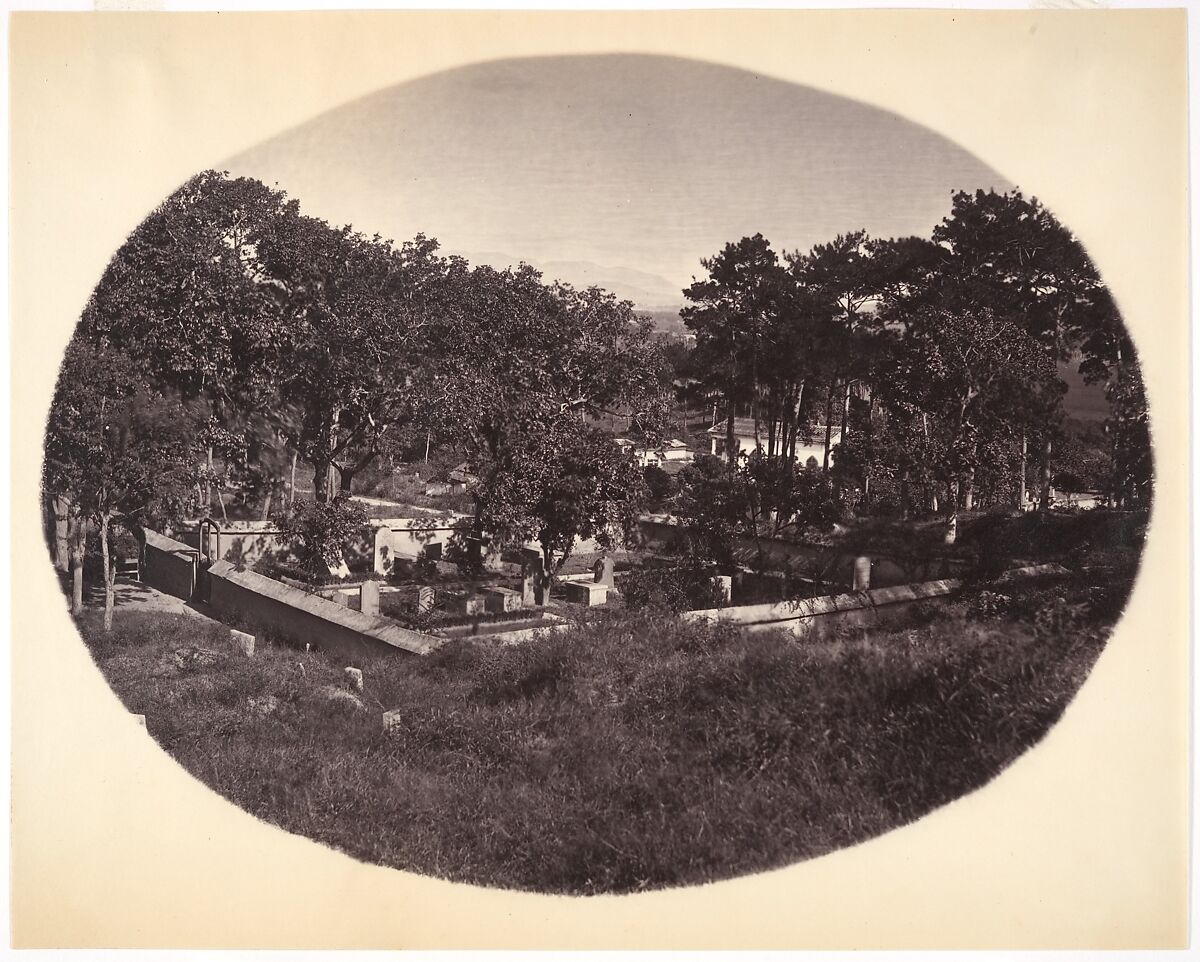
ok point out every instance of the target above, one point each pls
(321, 531)
(672, 589)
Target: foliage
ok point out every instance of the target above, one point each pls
(321, 530)
(672, 589)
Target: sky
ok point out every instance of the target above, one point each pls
(620, 170)
(626, 168)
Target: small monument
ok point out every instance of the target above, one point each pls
(354, 678)
(368, 596)
(603, 571)
(241, 641)
(426, 599)
(862, 574)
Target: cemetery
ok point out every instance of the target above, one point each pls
(477, 573)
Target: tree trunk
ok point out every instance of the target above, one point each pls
(828, 425)
(320, 479)
(109, 572)
(77, 541)
(1044, 480)
(266, 511)
(969, 494)
(1021, 475)
(952, 522)
(904, 508)
(730, 440)
(292, 487)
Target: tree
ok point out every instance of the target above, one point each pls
(358, 309)
(1010, 253)
(967, 372)
(730, 314)
(558, 484)
(117, 451)
(521, 369)
(320, 530)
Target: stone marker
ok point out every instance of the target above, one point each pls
(532, 592)
(354, 678)
(426, 598)
(368, 596)
(585, 593)
(392, 721)
(499, 600)
(603, 571)
(242, 642)
(725, 584)
(460, 603)
(140, 720)
(862, 574)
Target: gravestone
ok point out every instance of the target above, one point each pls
(588, 593)
(368, 596)
(862, 574)
(461, 603)
(603, 570)
(532, 590)
(354, 678)
(243, 642)
(499, 600)
(426, 598)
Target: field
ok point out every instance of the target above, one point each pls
(634, 753)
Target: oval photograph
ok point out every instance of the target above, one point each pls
(598, 474)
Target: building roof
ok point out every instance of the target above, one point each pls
(744, 428)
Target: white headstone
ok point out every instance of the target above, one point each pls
(369, 598)
(862, 574)
(242, 641)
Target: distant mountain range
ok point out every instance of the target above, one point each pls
(648, 292)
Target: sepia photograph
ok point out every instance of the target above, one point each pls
(599, 473)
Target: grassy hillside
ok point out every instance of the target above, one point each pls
(634, 753)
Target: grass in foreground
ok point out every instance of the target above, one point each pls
(634, 753)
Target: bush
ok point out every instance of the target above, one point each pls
(322, 531)
(671, 589)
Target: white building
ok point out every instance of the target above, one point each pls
(672, 450)
(809, 454)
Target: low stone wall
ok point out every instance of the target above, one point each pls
(304, 618)
(169, 565)
(819, 617)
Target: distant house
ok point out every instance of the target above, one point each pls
(809, 454)
(672, 451)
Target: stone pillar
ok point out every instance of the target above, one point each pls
(354, 678)
(862, 574)
(531, 580)
(426, 598)
(603, 570)
(368, 598)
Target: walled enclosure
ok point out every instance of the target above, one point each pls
(169, 565)
(304, 618)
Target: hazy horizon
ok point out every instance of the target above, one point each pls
(624, 164)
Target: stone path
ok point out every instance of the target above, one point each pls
(134, 596)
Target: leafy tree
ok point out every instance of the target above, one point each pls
(1008, 252)
(320, 531)
(730, 315)
(117, 451)
(522, 367)
(967, 373)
